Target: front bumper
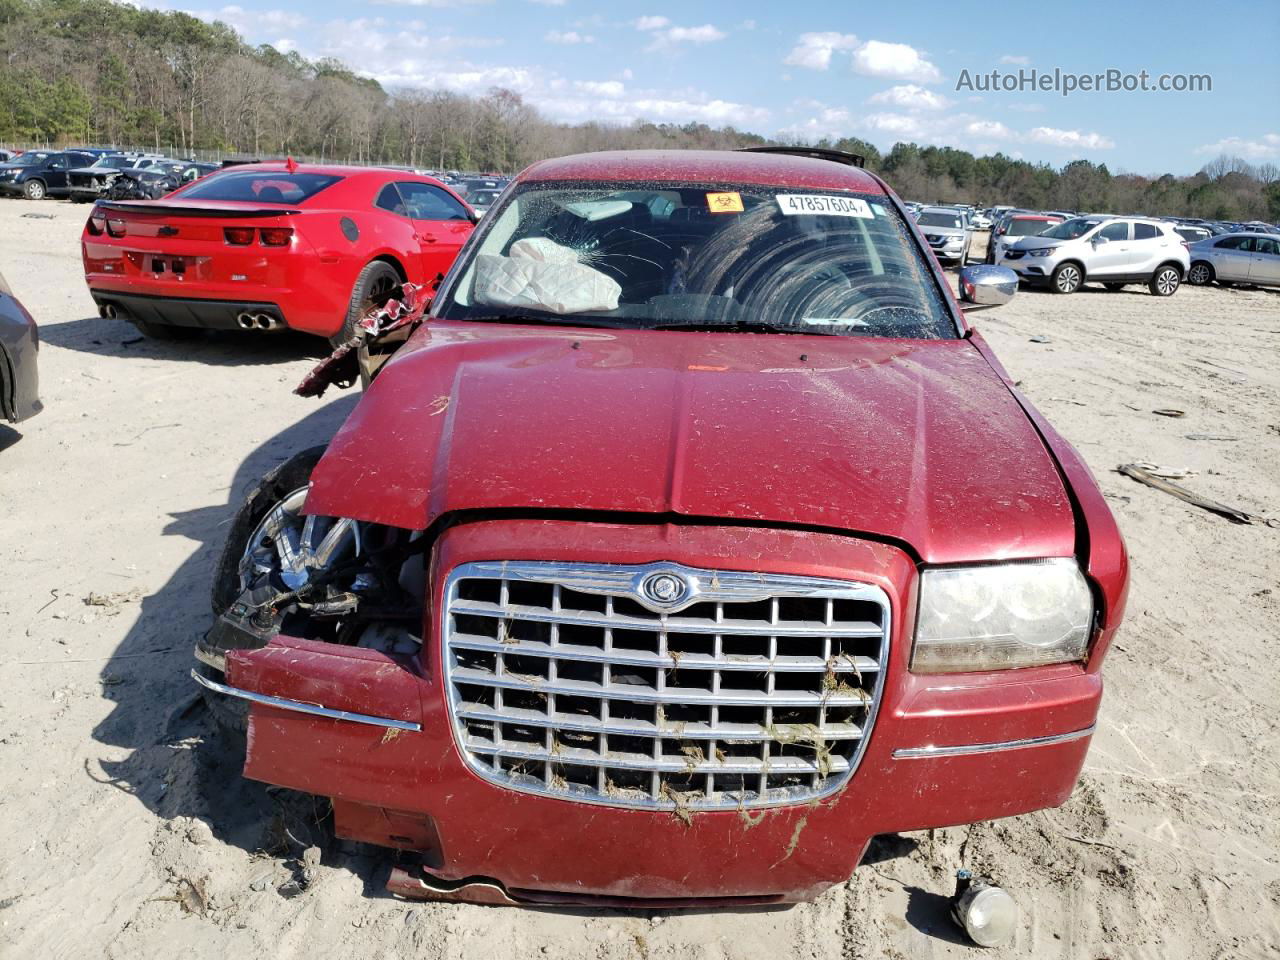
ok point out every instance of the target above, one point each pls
(374, 733)
(10, 188)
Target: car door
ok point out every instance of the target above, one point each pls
(1150, 247)
(441, 223)
(55, 172)
(1264, 265)
(1111, 250)
(1231, 258)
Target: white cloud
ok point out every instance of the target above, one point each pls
(459, 77)
(431, 3)
(1073, 139)
(245, 22)
(876, 58)
(1265, 147)
(568, 37)
(549, 3)
(911, 97)
(989, 129)
(665, 35)
(814, 50)
(285, 45)
(601, 88)
(1018, 60)
(949, 128)
(354, 40)
(656, 106)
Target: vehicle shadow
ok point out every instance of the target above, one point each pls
(178, 764)
(113, 337)
(8, 437)
(930, 913)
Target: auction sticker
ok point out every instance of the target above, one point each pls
(793, 204)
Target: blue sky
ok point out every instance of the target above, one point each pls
(882, 71)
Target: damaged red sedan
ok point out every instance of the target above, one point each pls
(266, 246)
(691, 540)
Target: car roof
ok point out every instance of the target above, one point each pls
(705, 166)
(1036, 216)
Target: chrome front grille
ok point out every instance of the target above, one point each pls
(591, 683)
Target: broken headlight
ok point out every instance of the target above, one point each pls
(323, 578)
(1000, 616)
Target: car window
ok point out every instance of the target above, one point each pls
(389, 199)
(1115, 231)
(1228, 243)
(261, 186)
(425, 201)
(1266, 245)
(720, 255)
(1145, 231)
(1071, 229)
(937, 218)
(1027, 228)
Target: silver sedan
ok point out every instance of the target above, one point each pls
(1236, 258)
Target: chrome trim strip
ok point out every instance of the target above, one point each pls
(298, 706)
(968, 749)
(674, 624)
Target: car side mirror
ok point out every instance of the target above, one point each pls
(1099, 240)
(473, 216)
(984, 285)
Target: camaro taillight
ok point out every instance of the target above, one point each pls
(238, 236)
(276, 236)
(97, 223)
(115, 227)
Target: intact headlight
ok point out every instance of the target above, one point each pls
(1002, 616)
(1042, 252)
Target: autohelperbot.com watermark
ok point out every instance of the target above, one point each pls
(1066, 82)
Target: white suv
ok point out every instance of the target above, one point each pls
(1111, 250)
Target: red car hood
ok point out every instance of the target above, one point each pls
(914, 441)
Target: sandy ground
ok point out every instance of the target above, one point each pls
(126, 831)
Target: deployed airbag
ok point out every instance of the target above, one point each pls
(543, 275)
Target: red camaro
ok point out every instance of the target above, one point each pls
(271, 245)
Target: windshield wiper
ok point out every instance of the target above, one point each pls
(741, 326)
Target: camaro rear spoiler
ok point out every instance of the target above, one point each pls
(176, 210)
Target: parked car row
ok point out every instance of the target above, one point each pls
(91, 173)
(1061, 250)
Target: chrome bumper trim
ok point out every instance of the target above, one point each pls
(299, 707)
(967, 749)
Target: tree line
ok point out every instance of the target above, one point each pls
(97, 72)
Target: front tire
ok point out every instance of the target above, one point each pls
(1165, 281)
(378, 282)
(34, 190)
(231, 714)
(1066, 279)
(1200, 274)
